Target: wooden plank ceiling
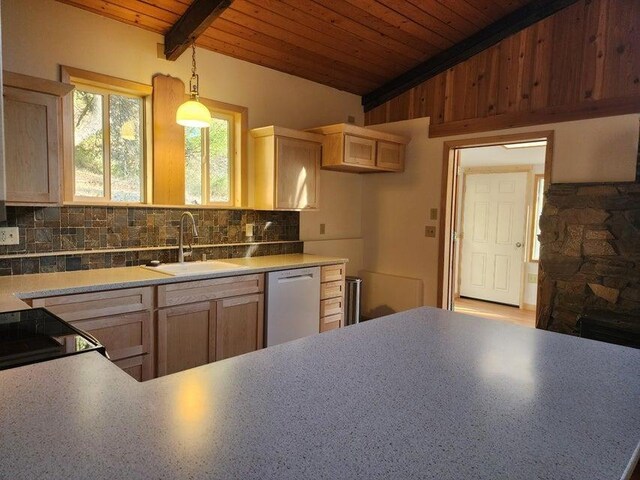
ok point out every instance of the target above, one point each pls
(352, 45)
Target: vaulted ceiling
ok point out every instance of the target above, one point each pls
(353, 45)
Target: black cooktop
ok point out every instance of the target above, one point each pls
(35, 335)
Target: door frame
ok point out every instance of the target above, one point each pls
(450, 161)
(490, 170)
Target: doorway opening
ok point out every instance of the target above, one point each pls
(492, 199)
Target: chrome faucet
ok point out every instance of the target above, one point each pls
(181, 253)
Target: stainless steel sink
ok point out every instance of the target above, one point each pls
(195, 268)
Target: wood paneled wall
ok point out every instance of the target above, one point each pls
(582, 62)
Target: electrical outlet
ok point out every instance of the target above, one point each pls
(433, 214)
(248, 229)
(532, 278)
(9, 236)
(430, 231)
(322, 229)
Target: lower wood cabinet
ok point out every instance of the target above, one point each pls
(186, 337)
(239, 325)
(199, 333)
(332, 278)
(121, 320)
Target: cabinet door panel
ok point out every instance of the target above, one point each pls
(390, 156)
(240, 325)
(31, 122)
(359, 151)
(297, 171)
(186, 337)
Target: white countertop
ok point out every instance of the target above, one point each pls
(16, 287)
(424, 394)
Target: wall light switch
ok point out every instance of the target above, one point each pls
(248, 229)
(322, 229)
(430, 231)
(433, 214)
(532, 278)
(9, 236)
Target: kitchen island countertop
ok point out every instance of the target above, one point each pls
(421, 394)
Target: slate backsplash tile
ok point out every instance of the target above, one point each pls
(81, 229)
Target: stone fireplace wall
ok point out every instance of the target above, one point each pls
(590, 253)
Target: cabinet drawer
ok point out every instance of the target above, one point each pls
(332, 306)
(331, 289)
(332, 273)
(205, 290)
(390, 156)
(98, 304)
(330, 323)
(359, 151)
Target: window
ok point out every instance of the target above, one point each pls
(210, 157)
(538, 199)
(107, 129)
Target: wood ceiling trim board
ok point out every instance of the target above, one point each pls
(472, 11)
(448, 16)
(403, 23)
(144, 8)
(237, 35)
(253, 57)
(434, 17)
(347, 31)
(493, 34)
(116, 12)
(316, 47)
(380, 30)
(198, 17)
(275, 13)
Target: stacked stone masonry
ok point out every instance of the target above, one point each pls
(590, 253)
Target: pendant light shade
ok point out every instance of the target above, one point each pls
(192, 113)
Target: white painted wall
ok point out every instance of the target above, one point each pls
(500, 156)
(396, 206)
(40, 35)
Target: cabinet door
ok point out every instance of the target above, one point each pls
(240, 325)
(297, 172)
(186, 337)
(359, 151)
(390, 156)
(32, 146)
(128, 340)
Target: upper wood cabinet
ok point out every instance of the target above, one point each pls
(32, 132)
(349, 148)
(287, 168)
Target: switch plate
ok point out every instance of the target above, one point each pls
(532, 278)
(248, 229)
(433, 214)
(322, 228)
(430, 231)
(9, 236)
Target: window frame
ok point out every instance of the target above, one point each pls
(238, 181)
(537, 179)
(103, 85)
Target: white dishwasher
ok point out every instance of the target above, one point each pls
(293, 304)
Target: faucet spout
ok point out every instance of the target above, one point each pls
(194, 232)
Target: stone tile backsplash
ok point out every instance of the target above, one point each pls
(75, 237)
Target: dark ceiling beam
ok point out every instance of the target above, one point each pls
(514, 22)
(197, 18)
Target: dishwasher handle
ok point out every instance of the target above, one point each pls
(295, 278)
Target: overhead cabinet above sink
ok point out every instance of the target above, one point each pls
(349, 148)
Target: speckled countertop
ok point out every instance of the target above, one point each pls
(14, 288)
(425, 394)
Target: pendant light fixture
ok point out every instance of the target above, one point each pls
(192, 113)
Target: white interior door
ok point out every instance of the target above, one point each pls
(493, 233)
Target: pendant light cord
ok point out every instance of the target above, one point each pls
(194, 81)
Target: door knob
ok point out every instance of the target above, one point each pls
(518, 245)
